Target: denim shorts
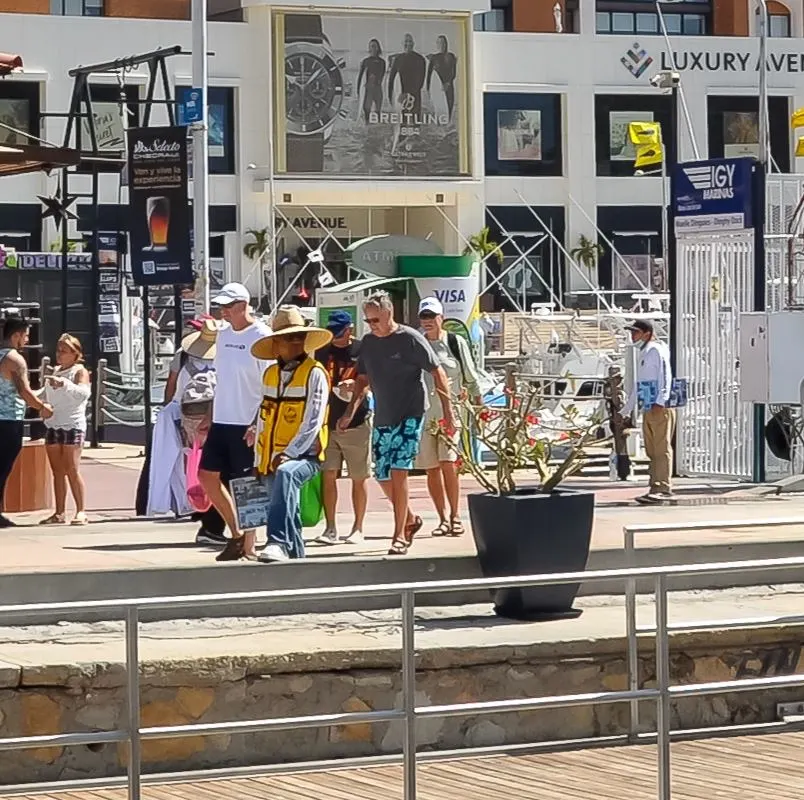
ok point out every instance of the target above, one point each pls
(396, 446)
(72, 437)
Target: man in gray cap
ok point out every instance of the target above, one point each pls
(652, 385)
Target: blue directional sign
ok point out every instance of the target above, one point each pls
(191, 106)
(713, 196)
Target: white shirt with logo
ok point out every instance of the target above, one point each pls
(239, 386)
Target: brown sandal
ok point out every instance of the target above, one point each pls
(234, 551)
(456, 527)
(443, 529)
(398, 548)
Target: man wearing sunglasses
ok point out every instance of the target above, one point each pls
(393, 360)
(228, 453)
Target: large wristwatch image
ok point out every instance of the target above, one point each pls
(314, 92)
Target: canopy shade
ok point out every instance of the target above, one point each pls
(21, 158)
(9, 63)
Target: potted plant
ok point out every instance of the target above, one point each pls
(587, 253)
(483, 246)
(538, 528)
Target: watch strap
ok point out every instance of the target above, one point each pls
(306, 27)
(305, 153)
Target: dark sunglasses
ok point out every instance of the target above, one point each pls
(427, 315)
(371, 320)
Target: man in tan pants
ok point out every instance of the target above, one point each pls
(653, 382)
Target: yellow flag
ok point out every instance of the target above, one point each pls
(645, 133)
(797, 120)
(648, 154)
(800, 147)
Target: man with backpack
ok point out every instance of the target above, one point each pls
(437, 458)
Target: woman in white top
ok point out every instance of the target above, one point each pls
(67, 389)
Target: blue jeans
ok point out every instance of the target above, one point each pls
(284, 514)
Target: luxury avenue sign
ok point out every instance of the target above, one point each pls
(637, 60)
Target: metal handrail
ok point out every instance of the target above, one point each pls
(410, 712)
(633, 630)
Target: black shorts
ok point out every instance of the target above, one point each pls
(226, 451)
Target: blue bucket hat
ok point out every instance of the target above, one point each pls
(338, 322)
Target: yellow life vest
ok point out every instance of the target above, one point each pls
(282, 412)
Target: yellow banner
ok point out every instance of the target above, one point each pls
(797, 120)
(648, 155)
(800, 147)
(645, 133)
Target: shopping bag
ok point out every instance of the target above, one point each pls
(311, 502)
(195, 491)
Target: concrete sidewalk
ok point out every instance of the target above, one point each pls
(106, 545)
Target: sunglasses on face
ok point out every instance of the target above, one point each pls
(371, 320)
(427, 316)
(295, 337)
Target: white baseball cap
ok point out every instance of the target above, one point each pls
(431, 305)
(231, 293)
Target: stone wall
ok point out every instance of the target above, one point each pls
(44, 700)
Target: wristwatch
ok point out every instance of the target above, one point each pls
(314, 92)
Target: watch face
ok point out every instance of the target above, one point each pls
(313, 89)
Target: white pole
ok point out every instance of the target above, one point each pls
(273, 289)
(665, 204)
(201, 156)
(762, 30)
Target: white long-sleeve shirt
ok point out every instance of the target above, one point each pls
(653, 366)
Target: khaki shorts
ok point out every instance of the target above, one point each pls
(433, 451)
(352, 446)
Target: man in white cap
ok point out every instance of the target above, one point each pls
(227, 452)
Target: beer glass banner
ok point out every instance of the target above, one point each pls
(159, 218)
(365, 94)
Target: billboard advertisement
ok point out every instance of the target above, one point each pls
(159, 219)
(368, 94)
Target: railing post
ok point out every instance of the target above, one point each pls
(631, 635)
(99, 389)
(663, 685)
(133, 686)
(409, 692)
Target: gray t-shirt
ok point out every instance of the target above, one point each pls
(395, 365)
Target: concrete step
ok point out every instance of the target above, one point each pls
(64, 587)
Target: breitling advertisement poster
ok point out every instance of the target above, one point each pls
(368, 94)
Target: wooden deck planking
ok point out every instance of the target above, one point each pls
(745, 768)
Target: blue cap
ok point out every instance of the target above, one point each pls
(338, 322)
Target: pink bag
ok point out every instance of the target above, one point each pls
(195, 491)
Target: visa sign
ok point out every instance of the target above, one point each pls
(449, 296)
(457, 295)
(713, 196)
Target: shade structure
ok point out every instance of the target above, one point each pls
(9, 63)
(20, 158)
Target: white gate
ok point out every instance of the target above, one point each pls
(714, 285)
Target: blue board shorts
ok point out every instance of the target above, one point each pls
(396, 446)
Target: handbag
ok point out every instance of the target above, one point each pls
(311, 502)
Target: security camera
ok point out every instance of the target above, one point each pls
(657, 80)
(666, 80)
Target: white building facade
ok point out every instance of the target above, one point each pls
(520, 132)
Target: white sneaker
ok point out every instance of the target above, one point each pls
(329, 536)
(354, 538)
(273, 554)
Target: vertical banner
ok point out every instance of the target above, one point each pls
(159, 219)
(460, 298)
(109, 289)
(371, 94)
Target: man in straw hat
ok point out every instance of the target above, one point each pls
(291, 435)
(228, 450)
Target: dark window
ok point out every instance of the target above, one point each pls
(500, 18)
(734, 128)
(19, 112)
(77, 8)
(221, 128)
(779, 26)
(640, 16)
(522, 133)
(615, 155)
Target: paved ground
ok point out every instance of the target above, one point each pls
(112, 473)
(352, 632)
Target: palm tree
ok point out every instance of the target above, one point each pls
(483, 246)
(587, 252)
(258, 247)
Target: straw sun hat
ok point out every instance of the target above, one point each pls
(201, 343)
(287, 320)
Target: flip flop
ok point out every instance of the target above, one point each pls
(54, 519)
